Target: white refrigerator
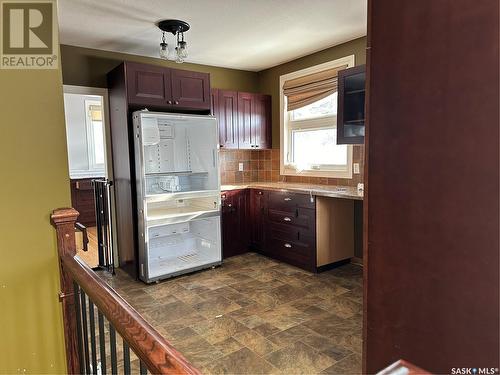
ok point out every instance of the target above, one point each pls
(178, 193)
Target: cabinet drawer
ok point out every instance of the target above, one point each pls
(298, 217)
(285, 201)
(297, 252)
(291, 233)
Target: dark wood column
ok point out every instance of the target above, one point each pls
(432, 184)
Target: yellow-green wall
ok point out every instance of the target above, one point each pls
(88, 67)
(35, 180)
(269, 79)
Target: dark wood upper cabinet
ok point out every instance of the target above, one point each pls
(169, 89)
(262, 121)
(351, 106)
(148, 85)
(190, 89)
(227, 116)
(244, 119)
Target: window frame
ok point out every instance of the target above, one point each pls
(93, 165)
(287, 126)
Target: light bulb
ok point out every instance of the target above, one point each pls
(183, 52)
(164, 50)
(179, 59)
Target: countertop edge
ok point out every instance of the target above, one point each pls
(326, 191)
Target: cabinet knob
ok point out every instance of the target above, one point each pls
(287, 199)
(288, 245)
(176, 102)
(286, 218)
(230, 205)
(260, 193)
(169, 102)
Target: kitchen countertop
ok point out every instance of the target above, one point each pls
(332, 191)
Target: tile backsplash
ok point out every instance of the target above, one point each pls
(264, 165)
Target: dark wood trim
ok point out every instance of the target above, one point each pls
(64, 219)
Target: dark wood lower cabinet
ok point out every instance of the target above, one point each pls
(277, 224)
(258, 214)
(82, 200)
(235, 223)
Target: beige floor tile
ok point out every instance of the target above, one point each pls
(299, 358)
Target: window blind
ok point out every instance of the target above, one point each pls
(310, 88)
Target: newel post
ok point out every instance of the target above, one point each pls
(64, 219)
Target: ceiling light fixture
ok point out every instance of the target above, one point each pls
(177, 28)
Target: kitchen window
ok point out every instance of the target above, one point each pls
(308, 123)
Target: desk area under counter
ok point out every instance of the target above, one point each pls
(314, 227)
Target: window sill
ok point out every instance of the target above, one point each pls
(290, 171)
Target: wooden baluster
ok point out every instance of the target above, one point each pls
(64, 219)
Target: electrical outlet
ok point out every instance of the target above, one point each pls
(356, 168)
(240, 167)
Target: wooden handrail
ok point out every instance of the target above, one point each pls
(159, 356)
(148, 344)
(403, 367)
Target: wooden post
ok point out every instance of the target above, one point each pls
(64, 219)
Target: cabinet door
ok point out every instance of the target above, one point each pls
(228, 119)
(261, 124)
(246, 127)
(148, 85)
(235, 233)
(351, 106)
(190, 90)
(258, 209)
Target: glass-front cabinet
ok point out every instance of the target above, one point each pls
(178, 193)
(351, 106)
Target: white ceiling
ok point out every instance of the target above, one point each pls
(242, 34)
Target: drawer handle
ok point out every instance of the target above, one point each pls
(287, 219)
(287, 199)
(288, 245)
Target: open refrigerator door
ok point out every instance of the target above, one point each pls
(178, 193)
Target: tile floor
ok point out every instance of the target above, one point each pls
(255, 315)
